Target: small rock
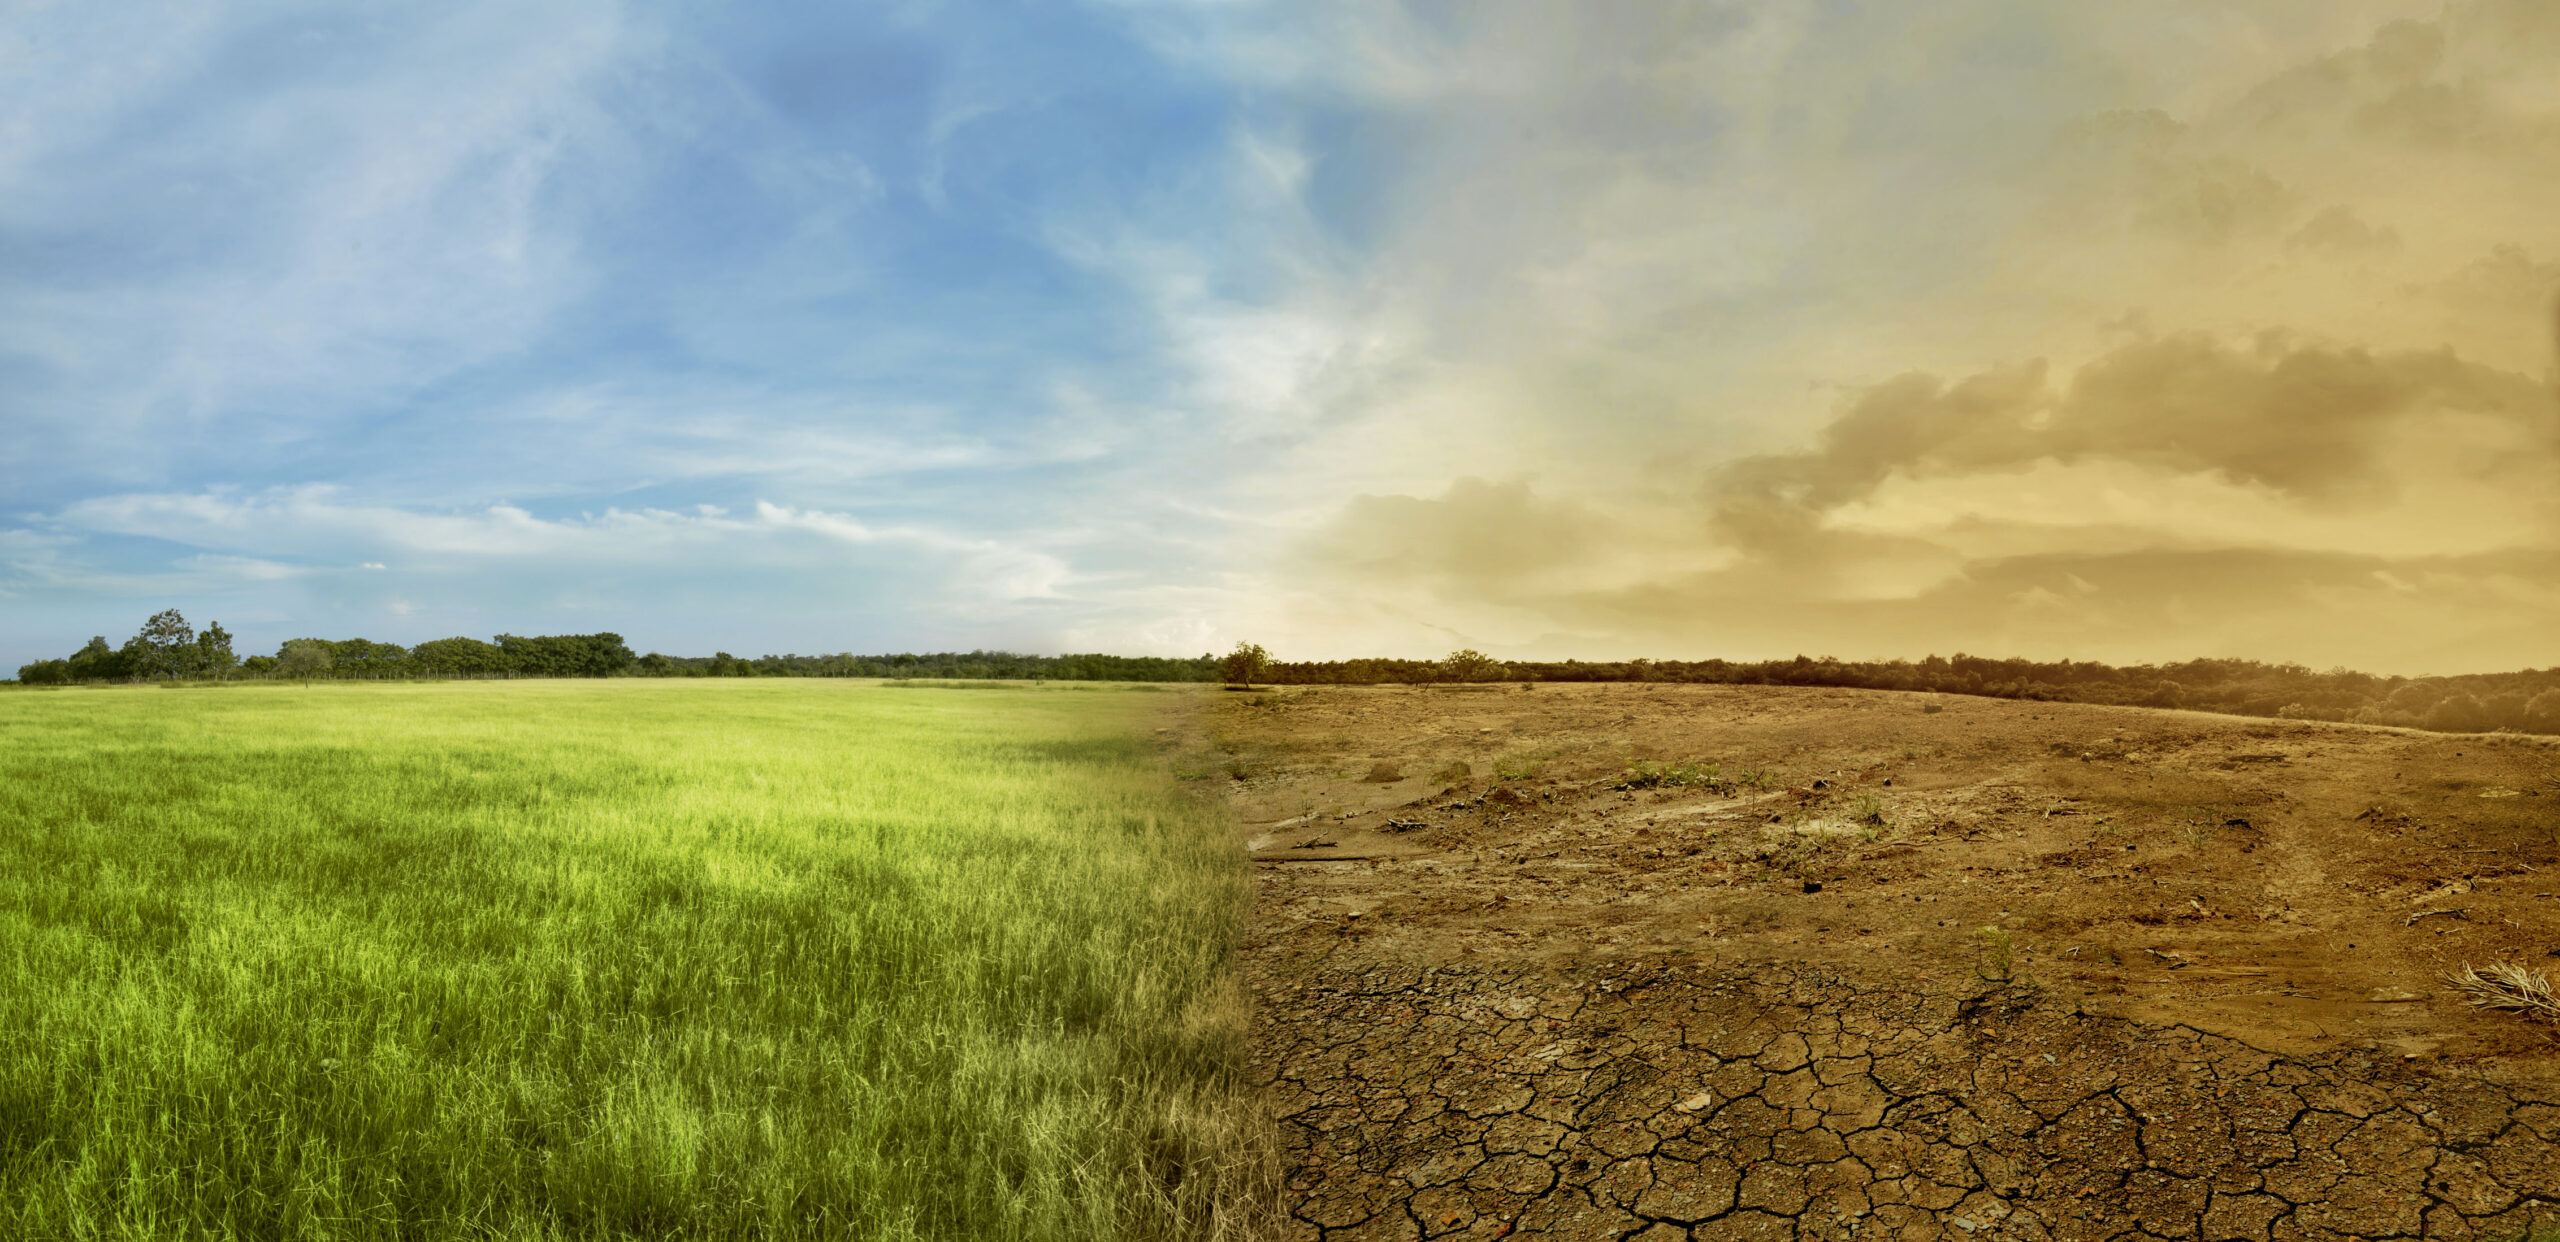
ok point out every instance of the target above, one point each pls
(1813, 886)
(1696, 1102)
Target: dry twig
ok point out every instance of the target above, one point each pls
(2505, 985)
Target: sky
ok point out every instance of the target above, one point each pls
(1350, 327)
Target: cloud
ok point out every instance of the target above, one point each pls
(2175, 490)
(2167, 331)
(292, 213)
(1347, 325)
(316, 522)
(2315, 424)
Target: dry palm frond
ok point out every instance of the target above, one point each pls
(2505, 985)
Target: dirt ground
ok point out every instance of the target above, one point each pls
(1662, 961)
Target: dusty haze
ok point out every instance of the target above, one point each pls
(1748, 332)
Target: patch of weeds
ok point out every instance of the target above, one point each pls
(1754, 778)
(1195, 768)
(1453, 771)
(1932, 709)
(1800, 848)
(1652, 774)
(1868, 813)
(1518, 767)
(2508, 986)
(1997, 956)
(1237, 769)
(1383, 772)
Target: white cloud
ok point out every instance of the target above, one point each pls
(317, 522)
(326, 220)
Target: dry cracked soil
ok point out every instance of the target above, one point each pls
(1662, 961)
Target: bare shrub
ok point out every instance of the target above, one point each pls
(2508, 986)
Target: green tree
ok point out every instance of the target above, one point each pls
(459, 657)
(213, 655)
(165, 647)
(363, 657)
(99, 662)
(1245, 665)
(566, 655)
(1469, 664)
(304, 658)
(45, 673)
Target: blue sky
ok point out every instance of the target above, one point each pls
(716, 329)
(1349, 326)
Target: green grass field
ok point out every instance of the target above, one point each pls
(729, 959)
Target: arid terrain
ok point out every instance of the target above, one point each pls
(1657, 961)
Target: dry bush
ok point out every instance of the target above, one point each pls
(2505, 985)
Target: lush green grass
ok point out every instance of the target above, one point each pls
(562, 960)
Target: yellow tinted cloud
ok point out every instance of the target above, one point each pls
(1933, 332)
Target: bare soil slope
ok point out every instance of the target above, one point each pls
(1600, 961)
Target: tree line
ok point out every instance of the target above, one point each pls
(167, 648)
(2527, 701)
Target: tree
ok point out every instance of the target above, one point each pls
(2541, 713)
(459, 657)
(305, 658)
(363, 657)
(1469, 664)
(164, 648)
(99, 662)
(1245, 665)
(566, 655)
(213, 655)
(45, 673)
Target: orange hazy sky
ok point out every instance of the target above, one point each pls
(2127, 332)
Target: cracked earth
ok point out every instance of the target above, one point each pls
(1999, 970)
